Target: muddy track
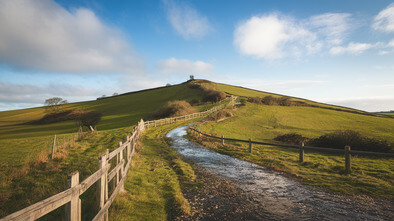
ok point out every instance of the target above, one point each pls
(233, 189)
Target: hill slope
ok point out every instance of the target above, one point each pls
(119, 111)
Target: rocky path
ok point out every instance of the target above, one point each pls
(233, 189)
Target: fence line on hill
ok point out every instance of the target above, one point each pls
(301, 148)
(171, 120)
(123, 154)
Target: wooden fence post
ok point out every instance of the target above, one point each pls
(128, 148)
(347, 159)
(223, 139)
(121, 168)
(102, 184)
(73, 208)
(301, 158)
(250, 145)
(53, 147)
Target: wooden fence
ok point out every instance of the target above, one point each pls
(346, 151)
(123, 154)
(71, 196)
(171, 120)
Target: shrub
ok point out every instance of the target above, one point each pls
(285, 101)
(87, 119)
(174, 109)
(221, 115)
(256, 100)
(269, 100)
(209, 93)
(352, 138)
(291, 138)
(195, 102)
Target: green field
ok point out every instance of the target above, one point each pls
(265, 122)
(118, 111)
(28, 176)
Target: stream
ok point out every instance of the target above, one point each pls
(282, 198)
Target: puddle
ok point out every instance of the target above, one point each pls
(283, 198)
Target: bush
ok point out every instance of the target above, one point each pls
(285, 101)
(256, 100)
(221, 115)
(174, 109)
(269, 100)
(195, 102)
(354, 139)
(291, 138)
(209, 93)
(87, 119)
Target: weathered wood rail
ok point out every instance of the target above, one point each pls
(346, 151)
(71, 196)
(171, 120)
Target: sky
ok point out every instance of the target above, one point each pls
(337, 52)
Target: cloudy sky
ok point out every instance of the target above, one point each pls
(339, 52)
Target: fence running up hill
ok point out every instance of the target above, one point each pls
(71, 196)
(171, 120)
(123, 154)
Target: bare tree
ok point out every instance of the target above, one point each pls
(53, 104)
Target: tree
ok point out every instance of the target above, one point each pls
(89, 119)
(53, 105)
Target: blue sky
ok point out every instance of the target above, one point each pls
(339, 52)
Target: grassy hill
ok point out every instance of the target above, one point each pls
(27, 175)
(118, 111)
(265, 122)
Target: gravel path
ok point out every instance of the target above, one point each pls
(233, 189)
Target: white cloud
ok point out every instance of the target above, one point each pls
(352, 48)
(41, 35)
(369, 103)
(186, 20)
(28, 93)
(175, 66)
(274, 36)
(384, 21)
(332, 26)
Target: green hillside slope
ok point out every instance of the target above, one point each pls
(118, 111)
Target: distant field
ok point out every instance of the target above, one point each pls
(246, 92)
(264, 122)
(119, 111)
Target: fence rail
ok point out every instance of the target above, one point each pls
(102, 176)
(321, 149)
(301, 148)
(171, 120)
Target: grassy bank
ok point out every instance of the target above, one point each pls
(27, 181)
(265, 122)
(370, 176)
(153, 185)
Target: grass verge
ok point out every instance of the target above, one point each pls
(370, 176)
(153, 185)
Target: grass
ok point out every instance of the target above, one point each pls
(264, 123)
(153, 185)
(27, 182)
(370, 176)
(246, 92)
(118, 111)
